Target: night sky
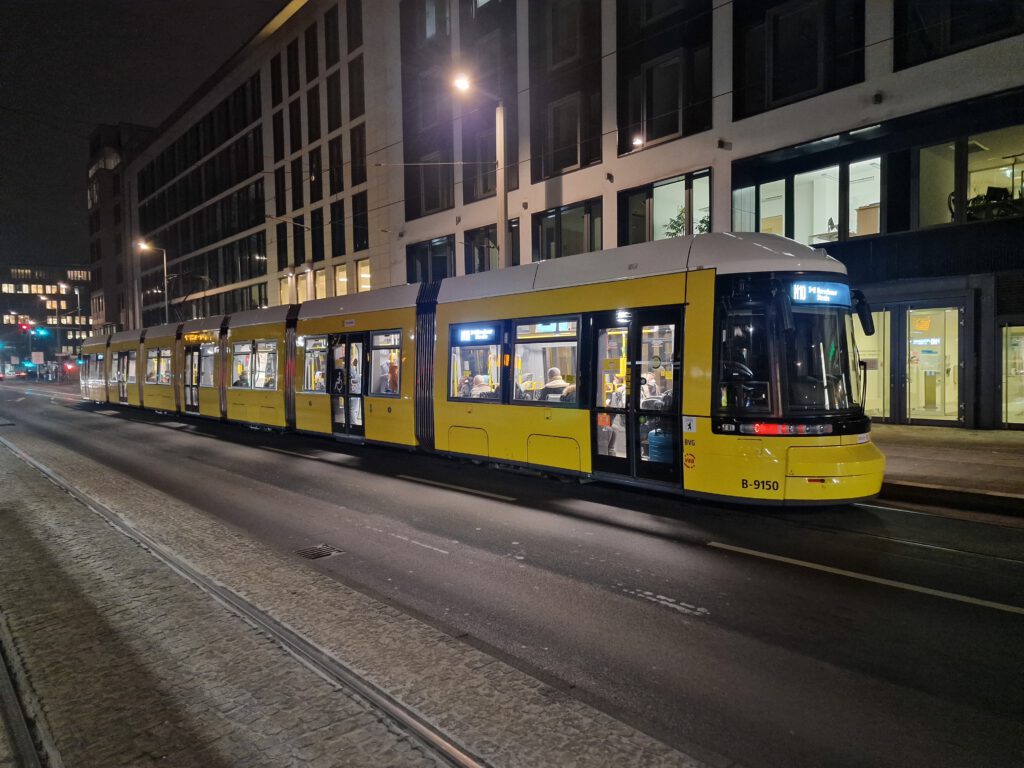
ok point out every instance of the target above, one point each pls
(67, 65)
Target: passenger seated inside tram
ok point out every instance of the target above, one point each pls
(569, 394)
(242, 380)
(270, 383)
(480, 387)
(555, 385)
(319, 384)
(151, 377)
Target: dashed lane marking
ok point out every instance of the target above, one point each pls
(872, 579)
(458, 488)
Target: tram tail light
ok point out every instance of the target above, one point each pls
(771, 428)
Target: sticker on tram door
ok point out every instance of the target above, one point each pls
(689, 460)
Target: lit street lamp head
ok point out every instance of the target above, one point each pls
(461, 82)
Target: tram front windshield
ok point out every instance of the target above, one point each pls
(814, 357)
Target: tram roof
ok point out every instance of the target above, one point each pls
(99, 340)
(212, 323)
(276, 314)
(395, 297)
(168, 330)
(728, 253)
(133, 335)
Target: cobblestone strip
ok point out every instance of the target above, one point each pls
(494, 710)
(133, 666)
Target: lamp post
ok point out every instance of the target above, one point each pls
(144, 246)
(463, 84)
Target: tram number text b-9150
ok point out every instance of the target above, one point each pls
(760, 485)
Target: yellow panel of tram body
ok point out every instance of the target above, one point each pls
(92, 388)
(698, 343)
(533, 434)
(257, 406)
(209, 397)
(387, 419)
(825, 469)
(158, 397)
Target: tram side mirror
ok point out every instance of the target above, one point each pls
(784, 308)
(863, 309)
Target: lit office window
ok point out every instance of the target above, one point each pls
(865, 197)
(363, 274)
(816, 206)
(341, 280)
(935, 184)
(772, 197)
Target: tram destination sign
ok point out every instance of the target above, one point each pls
(820, 293)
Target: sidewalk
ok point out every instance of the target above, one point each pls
(982, 470)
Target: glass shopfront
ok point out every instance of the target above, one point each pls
(1013, 374)
(925, 345)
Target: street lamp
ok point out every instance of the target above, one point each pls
(463, 84)
(144, 246)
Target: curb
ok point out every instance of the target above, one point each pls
(977, 501)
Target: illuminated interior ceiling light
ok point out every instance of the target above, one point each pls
(638, 141)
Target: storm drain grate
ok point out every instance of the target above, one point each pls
(320, 550)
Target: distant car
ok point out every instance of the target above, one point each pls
(21, 375)
(1, 375)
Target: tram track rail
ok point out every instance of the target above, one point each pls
(13, 716)
(319, 661)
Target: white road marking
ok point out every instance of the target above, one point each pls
(668, 602)
(872, 579)
(458, 488)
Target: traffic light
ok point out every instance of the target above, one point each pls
(41, 332)
(25, 327)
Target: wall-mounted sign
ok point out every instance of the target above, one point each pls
(820, 293)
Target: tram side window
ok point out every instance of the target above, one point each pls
(152, 366)
(131, 366)
(546, 360)
(241, 362)
(743, 362)
(314, 377)
(207, 352)
(264, 372)
(476, 362)
(164, 376)
(385, 361)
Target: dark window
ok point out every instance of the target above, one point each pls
(316, 182)
(281, 236)
(567, 231)
(360, 223)
(293, 67)
(334, 101)
(787, 51)
(298, 182)
(335, 165)
(332, 43)
(278, 128)
(313, 114)
(356, 99)
(117, 213)
(354, 19)
(338, 228)
(280, 192)
(430, 260)
(299, 236)
(358, 150)
(482, 248)
(563, 32)
(316, 233)
(930, 29)
(295, 125)
(435, 184)
(312, 54)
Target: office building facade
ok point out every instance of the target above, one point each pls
(332, 155)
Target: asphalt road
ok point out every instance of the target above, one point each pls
(865, 635)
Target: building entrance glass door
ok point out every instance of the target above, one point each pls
(876, 354)
(933, 364)
(1013, 374)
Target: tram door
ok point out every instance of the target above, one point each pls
(347, 377)
(193, 359)
(121, 361)
(636, 407)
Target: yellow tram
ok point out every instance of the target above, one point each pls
(720, 365)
